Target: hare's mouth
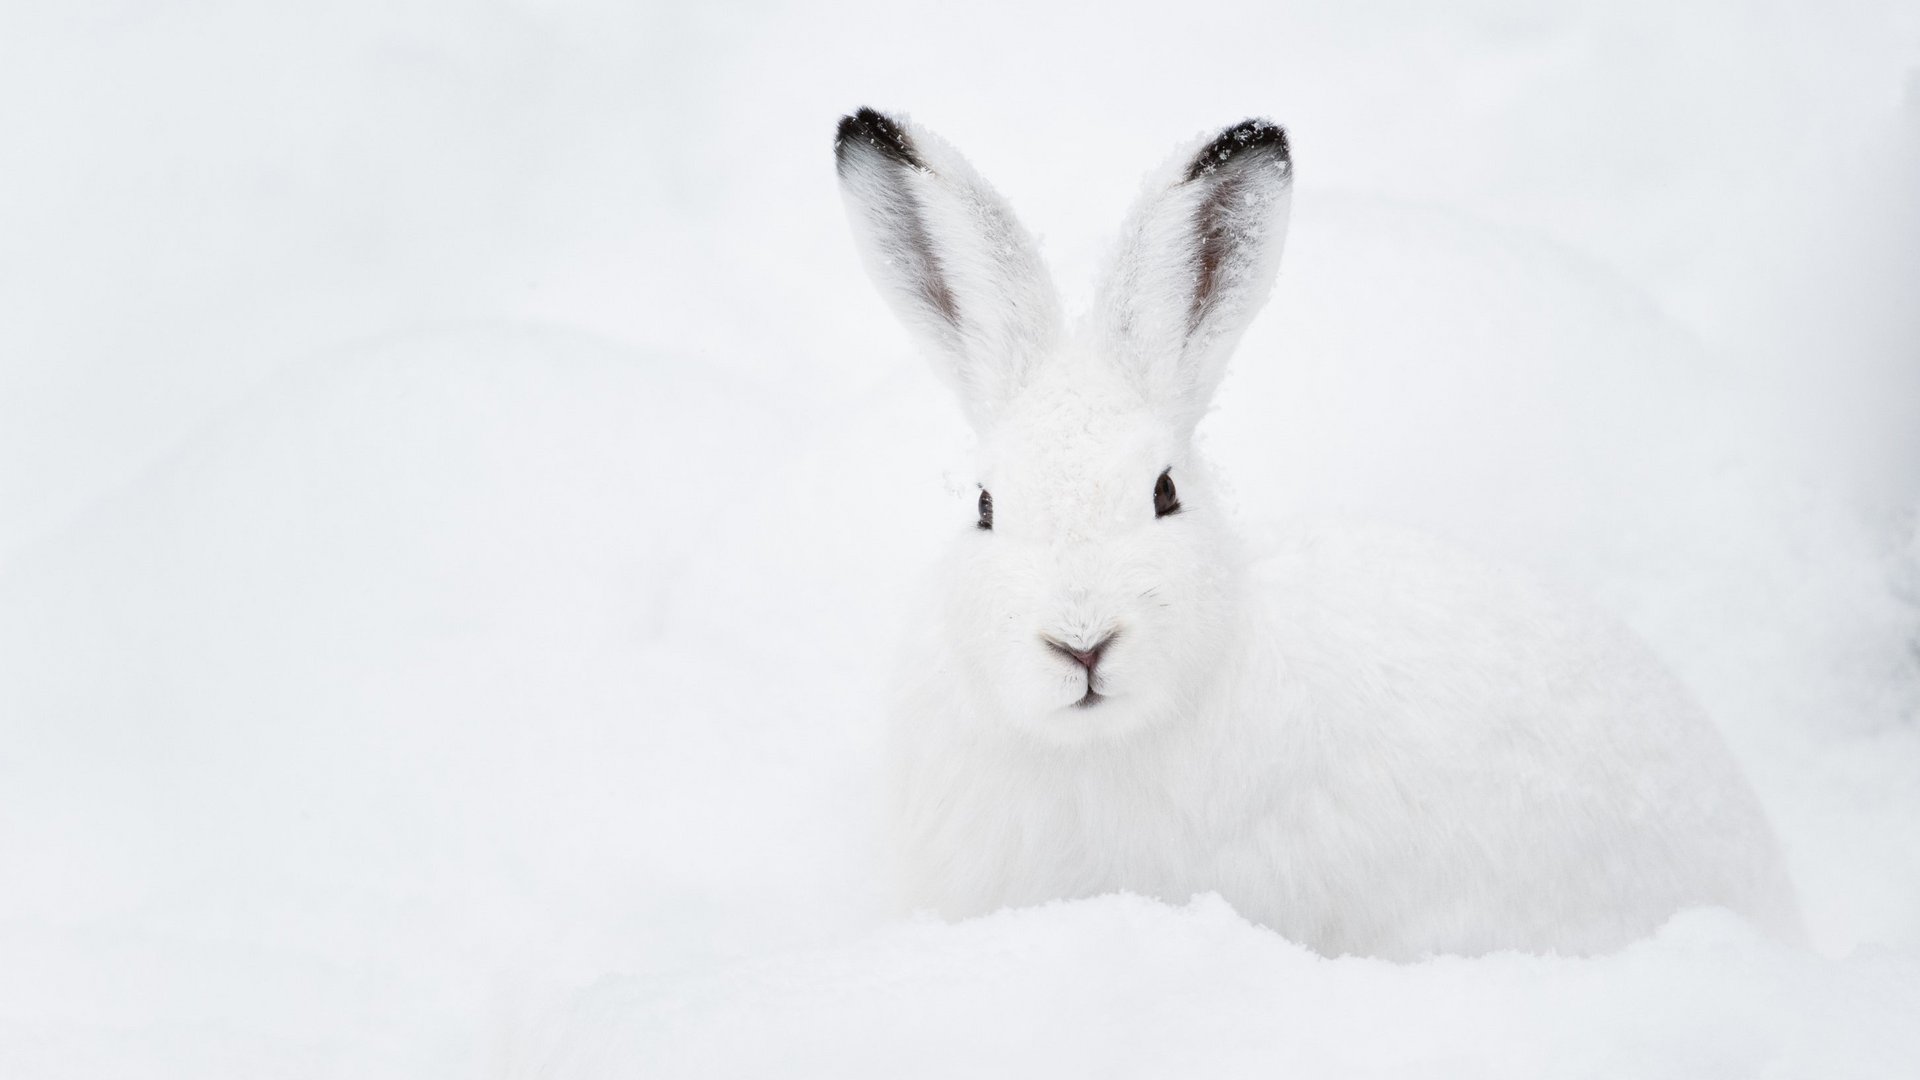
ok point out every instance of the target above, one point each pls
(1090, 699)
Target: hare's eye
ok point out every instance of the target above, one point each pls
(986, 509)
(1165, 499)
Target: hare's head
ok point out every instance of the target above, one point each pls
(1094, 592)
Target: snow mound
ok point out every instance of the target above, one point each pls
(1121, 986)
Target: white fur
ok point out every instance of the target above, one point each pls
(1369, 743)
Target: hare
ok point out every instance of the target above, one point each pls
(1360, 740)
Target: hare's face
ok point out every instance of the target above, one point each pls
(1096, 601)
(1094, 597)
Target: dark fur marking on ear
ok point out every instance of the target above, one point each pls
(878, 132)
(1214, 243)
(875, 129)
(1244, 142)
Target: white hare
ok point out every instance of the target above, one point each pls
(1360, 740)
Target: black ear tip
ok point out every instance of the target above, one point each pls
(1249, 139)
(871, 130)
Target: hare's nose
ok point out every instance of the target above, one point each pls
(1087, 657)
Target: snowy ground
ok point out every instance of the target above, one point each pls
(457, 489)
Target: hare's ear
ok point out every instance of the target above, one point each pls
(1196, 260)
(948, 255)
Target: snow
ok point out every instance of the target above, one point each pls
(457, 490)
(1123, 986)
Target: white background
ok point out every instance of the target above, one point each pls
(457, 492)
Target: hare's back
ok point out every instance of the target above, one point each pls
(1450, 634)
(1502, 743)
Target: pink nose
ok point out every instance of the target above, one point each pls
(1087, 658)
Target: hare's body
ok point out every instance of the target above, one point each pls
(1361, 741)
(1344, 784)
